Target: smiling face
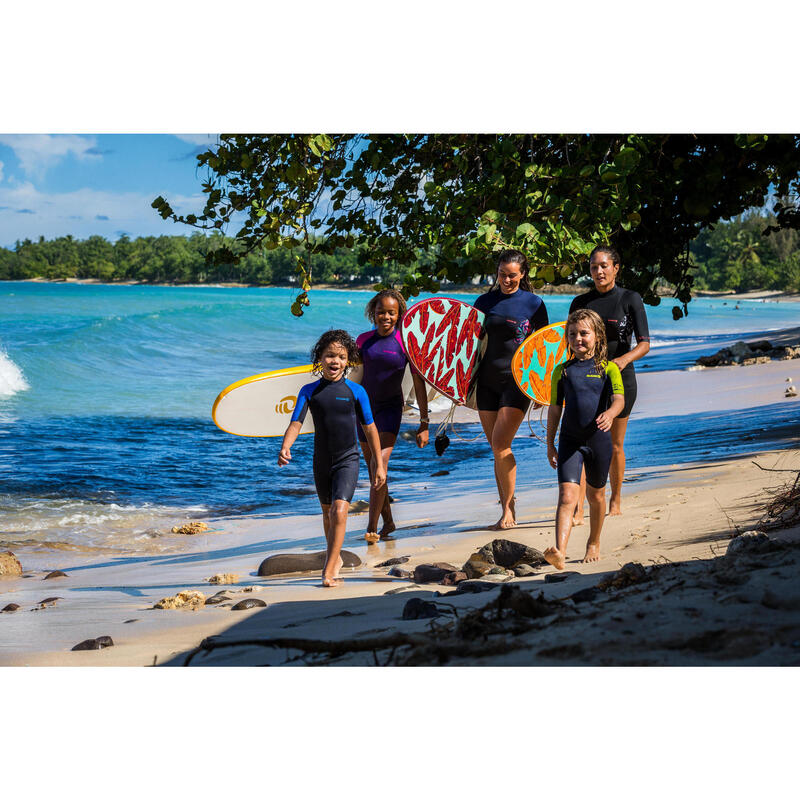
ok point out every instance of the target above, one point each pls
(508, 277)
(604, 272)
(387, 312)
(581, 339)
(333, 361)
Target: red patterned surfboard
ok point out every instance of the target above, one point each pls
(444, 340)
(533, 363)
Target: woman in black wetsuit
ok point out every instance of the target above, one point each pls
(512, 312)
(622, 310)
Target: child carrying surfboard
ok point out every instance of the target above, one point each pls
(589, 389)
(336, 404)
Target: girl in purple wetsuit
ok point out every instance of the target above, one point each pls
(385, 363)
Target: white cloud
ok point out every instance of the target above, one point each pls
(38, 152)
(25, 212)
(1, 170)
(199, 139)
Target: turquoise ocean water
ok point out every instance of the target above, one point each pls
(106, 393)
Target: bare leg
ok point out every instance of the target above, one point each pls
(500, 432)
(597, 513)
(567, 497)
(334, 533)
(577, 517)
(617, 470)
(379, 500)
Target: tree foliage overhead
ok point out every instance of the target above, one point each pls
(459, 197)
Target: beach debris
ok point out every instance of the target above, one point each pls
(396, 572)
(630, 573)
(215, 599)
(188, 598)
(751, 542)
(524, 571)
(190, 528)
(95, 644)
(399, 589)
(285, 563)
(11, 607)
(432, 573)
(783, 509)
(9, 564)
(441, 443)
(454, 578)
(55, 574)
(417, 608)
(223, 577)
(358, 507)
(440, 473)
(791, 391)
(48, 601)
(250, 602)
(392, 561)
(557, 577)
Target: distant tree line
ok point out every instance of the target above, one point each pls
(732, 255)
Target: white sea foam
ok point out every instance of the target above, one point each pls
(11, 378)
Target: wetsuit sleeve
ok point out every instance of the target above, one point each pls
(362, 339)
(556, 390)
(363, 409)
(640, 328)
(615, 376)
(539, 318)
(301, 408)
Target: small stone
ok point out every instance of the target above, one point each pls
(557, 577)
(95, 644)
(392, 561)
(48, 601)
(508, 554)
(402, 589)
(524, 571)
(440, 473)
(216, 598)
(396, 572)
(476, 566)
(476, 586)
(454, 578)
(223, 577)
(791, 391)
(585, 595)
(190, 528)
(251, 602)
(751, 542)
(630, 573)
(55, 574)
(11, 607)
(9, 564)
(417, 608)
(432, 573)
(188, 598)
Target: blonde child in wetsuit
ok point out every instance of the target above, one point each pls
(589, 390)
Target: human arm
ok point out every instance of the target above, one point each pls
(421, 393)
(613, 375)
(635, 309)
(641, 349)
(377, 468)
(553, 418)
(292, 432)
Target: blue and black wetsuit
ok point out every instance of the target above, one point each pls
(622, 310)
(384, 366)
(336, 408)
(585, 392)
(510, 318)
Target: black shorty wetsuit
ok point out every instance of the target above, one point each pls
(585, 393)
(509, 319)
(336, 407)
(622, 310)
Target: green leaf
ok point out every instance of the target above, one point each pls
(525, 229)
(587, 171)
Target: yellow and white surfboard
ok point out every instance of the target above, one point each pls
(262, 405)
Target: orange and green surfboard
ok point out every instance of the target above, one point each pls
(533, 364)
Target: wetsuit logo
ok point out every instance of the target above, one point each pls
(286, 405)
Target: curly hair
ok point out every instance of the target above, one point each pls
(514, 257)
(372, 305)
(337, 336)
(599, 327)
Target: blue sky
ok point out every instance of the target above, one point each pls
(57, 184)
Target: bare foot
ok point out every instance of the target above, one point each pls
(554, 557)
(505, 522)
(330, 583)
(338, 567)
(513, 507)
(614, 510)
(577, 520)
(372, 537)
(592, 553)
(388, 528)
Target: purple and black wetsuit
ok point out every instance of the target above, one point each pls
(384, 366)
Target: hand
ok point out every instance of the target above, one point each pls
(552, 456)
(284, 457)
(422, 435)
(380, 478)
(604, 422)
(536, 405)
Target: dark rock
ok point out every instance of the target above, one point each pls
(432, 573)
(9, 564)
(454, 578)
(440, 473)
(761, 346)
(508, 554)
(476, 566)
(392, 561)
(216, 598)
(557, 577)
(401, 589)
(49, 601)
(129, 621)
(475, 586)
(417, 608)
(396, 572)
(524, 571)
(251, 602)
(285, 563)
(95, 644)
(55, 574)
(754, 542)
(585, 595)
(630, 573)
(11, 607)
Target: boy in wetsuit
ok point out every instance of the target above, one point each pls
(590, 389)
(336, 405)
